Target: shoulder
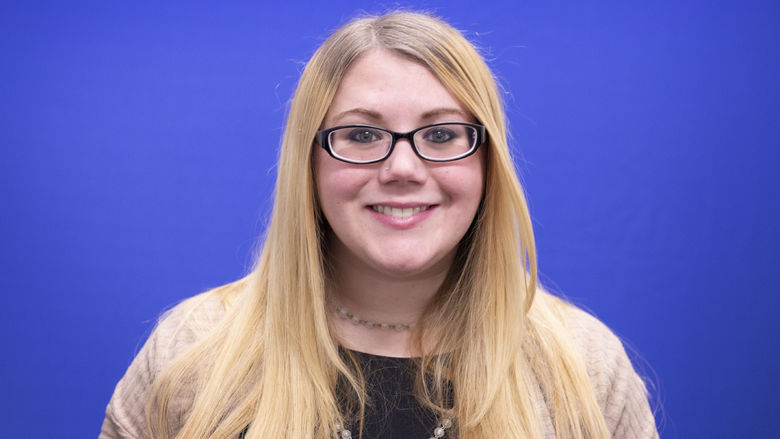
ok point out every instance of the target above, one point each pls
(177, 329)
(186, 323)
(180, 327)
(619, 390)
(599, 347)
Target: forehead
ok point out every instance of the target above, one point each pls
(389, 87)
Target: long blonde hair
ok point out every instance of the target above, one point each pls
(272, 363)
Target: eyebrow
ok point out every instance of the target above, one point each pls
(443, 111)
(428, 115)
(359, 111)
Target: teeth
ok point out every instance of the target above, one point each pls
(397, 212)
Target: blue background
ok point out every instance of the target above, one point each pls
(138, 143)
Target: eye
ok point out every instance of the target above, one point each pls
(364, 135)
(439, 135)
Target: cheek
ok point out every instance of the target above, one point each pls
(337, 182)
(464, 184)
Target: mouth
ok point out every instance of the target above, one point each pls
(399, 212)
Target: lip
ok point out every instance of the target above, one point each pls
(402, 222)
(402, 204)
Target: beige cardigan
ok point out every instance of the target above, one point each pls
(619, 390)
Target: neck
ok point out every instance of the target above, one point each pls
(382, 298)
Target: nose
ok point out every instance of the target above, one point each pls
(403, 165)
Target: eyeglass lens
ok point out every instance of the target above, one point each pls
(439, 142)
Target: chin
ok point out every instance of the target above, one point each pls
(408, 268)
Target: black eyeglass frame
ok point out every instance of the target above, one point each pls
(323, 138)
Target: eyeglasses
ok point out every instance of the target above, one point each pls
(439, 142)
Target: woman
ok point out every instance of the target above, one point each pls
(396, 292)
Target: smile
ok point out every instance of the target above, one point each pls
(399, 212)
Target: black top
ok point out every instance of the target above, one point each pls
(392, 411)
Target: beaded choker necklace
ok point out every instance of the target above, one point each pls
(356, 320)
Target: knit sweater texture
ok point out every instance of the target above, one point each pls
(619, 391)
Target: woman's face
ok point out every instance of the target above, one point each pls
(403, 216)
